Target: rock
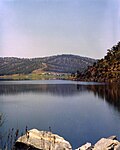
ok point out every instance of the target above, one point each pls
(87, 146)
(106, 144)
(117, 147)
(41, 140)
(113, 137)
(110, 143)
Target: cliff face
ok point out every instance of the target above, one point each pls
(106, 69)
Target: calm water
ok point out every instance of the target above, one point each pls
(78, 111)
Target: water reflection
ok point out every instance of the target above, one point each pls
(74, 111)
(53, 89)
(110, 93)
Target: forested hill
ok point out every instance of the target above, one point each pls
(59, 63)
(106, 69)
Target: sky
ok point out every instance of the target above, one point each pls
(37, 28)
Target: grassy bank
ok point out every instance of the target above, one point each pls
(34, 77)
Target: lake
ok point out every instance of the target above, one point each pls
(78, 111)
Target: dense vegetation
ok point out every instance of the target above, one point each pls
(59, 63)
(106, 69)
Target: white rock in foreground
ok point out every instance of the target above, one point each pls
(43, 140)
(110, 143)
(85, 147)
(107, 144)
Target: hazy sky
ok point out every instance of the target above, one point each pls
(35, 28)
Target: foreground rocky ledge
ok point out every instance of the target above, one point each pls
(42, 140)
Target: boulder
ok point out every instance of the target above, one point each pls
(41, 140)
(110, 143)
(106, 144)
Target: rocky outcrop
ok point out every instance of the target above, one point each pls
(110, 143)
(41, 140)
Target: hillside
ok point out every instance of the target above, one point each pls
(59, 63)
(106, 69)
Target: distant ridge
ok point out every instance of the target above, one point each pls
(65, 63)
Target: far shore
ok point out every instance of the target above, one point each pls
(45, 76)
(52, 76)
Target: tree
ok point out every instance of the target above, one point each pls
(78, 74)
